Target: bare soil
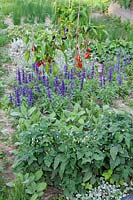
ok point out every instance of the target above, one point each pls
(125, 14)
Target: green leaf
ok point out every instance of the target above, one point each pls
(113, 152)
(27, 55)
(57, 161)
(62, 169)
(41, 186)
(86, 160)
(81, 121)
(98, 157)
(107, 175)
(48, 161)
(24, 111)
(34, 197)
(87, 176)
(10, 184)
(38, 175)
(31, 111)
(15, 114)
(127, 141)
(29, 191)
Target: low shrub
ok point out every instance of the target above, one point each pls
(70, 152)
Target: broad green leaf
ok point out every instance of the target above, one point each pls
(29, 191)
(10, 184)
(88, 186)
(57, 160)
(41, 186)
(80, 155)
(81, 121)
(107, 175)
(27, 55)
(40, 194)
(98, 157)
(86, 160)
(48, 161)
(127, 141)
(34, 197)
(87, 176)
(113, 152)
(62, 169)
(38, 175)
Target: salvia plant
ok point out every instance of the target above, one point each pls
(44, 80)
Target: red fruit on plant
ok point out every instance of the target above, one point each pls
(77, 58)
(43, 63)
(38, 64)
(88, 49)
(87, 55)
(33, 48)
(79, 64)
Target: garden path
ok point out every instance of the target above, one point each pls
(115, 10)
(6, 124)
(125, 14)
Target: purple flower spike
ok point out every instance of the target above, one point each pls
(30, 98)
(92, 71)
(26, 78)
(46, 81)
(104, 80)
(65, 68)
(101, 80)
(119, 79)
(39, 77)
(23, 75)
(38, 88)
(110, 74)
(62, 87)
(72, 85)
(11, 98)
(30, 77)
(18, 100)
(119, 63)
(125, 76)
(128, 59)
(102, 68)
(69, 76)
(50, 69)
(19, 77)
(48, 93)
(36, 70)
(72, 73)
(65, 71)
(79, 75)
(56, 83)
(25, 90)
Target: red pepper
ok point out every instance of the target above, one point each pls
(38, 64)
(33, 48)
(77, 58)
(43, 63)
(87, 55)
(79, 64)
(88, 49)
